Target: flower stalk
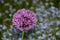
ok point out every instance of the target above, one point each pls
(22, 35)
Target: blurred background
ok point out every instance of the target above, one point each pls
(48, 15)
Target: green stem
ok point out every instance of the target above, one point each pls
(23, 35)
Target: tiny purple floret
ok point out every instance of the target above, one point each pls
(24, 19)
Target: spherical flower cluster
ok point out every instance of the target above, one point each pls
(24, 19)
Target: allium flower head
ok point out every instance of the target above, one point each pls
(24, 19)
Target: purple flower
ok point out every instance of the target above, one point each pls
(24, 19)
